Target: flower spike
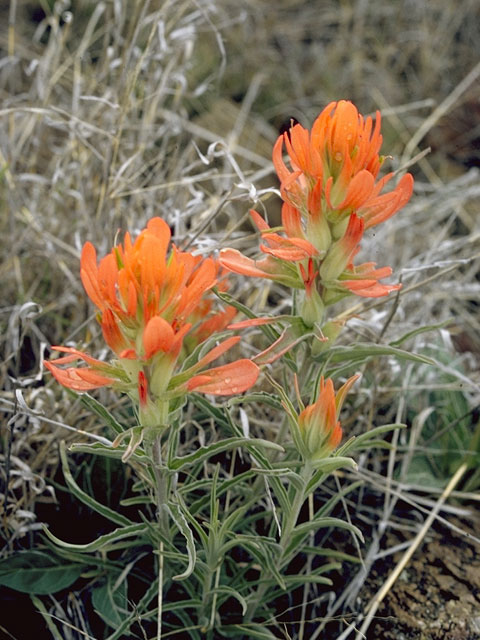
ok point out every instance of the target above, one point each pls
(155, 308)
(332, 193)
(318, 423)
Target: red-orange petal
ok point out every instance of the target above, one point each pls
(78, 379)
(259, 221)
(359, 189)
(75, 353)
(253, 322)
(278, 163)
(89, 274)
(158, 335)
(217, 351)
(111, 332)
(235, 261)
(230, 379)
(386, 205)
(142, 388)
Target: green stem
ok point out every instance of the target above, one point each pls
(290, 522)
(207, 587)
(214, 599)
(154, 449)
(299, 499)
(161, 486)
(160, 591)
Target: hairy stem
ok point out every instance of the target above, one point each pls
(289, 525)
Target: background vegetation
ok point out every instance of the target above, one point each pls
(113, 112)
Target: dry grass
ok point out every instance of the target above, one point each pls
(113, 112)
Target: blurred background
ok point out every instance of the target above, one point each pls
(115, 111)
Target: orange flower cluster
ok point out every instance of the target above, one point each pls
(154, 309)
(318, 423)
(331, 194)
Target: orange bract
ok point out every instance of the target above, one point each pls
(318, 423)
(331, 194)
(141, 292)
(336, 164)
(150, 301)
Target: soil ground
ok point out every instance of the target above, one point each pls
(437, 597)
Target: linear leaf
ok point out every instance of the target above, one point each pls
(203, 453)
(47, 617)
(182, 525)
(364, 440)
(103, 510)
(134, 616)
(100, 449)
(231, 593)
(362, 351)
(101, 411)
(331, 553)
(322, 523)
(327, 465)
(416, 332)
(102, 541)
(251, 630)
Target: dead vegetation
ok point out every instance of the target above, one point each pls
(113, 112)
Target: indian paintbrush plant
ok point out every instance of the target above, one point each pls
(224, 536)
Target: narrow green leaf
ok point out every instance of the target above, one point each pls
(203, 453)
(231, 593)
(264, 555)
(261, 459)
(100, 449)
(240, 479)
(326, 509)
(331, 553)
(103, 542)
(39, 573)
(182, 525)
(193, 603)
(416, 332)
(198, 528)
(364, 440)
(327, 465)
(128, 502)
(140, 608)
(258, 396)
(103, 510)
(320, 475)
(101, 411)
(251, 630)
(229, 523)
(362, 351)
(322, 523)
(296, 580)
(47, 617)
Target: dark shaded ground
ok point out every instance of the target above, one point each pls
(437, 597)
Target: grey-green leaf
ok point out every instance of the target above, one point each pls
(203, 453)
(252, 630)
(182, 525)
(101, 411)
(103, 510)
(103, 542)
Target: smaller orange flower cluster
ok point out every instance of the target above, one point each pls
(318, 423)
(316, 430)
(154, 309)
(331, 194)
